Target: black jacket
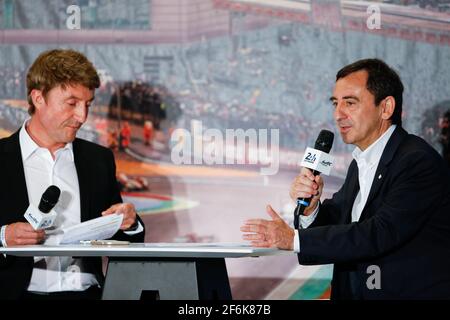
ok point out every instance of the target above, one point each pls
(98, 191)
(404, 227)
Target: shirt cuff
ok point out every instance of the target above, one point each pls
(305, 221)
(139, 229)
(3, 237)
(296, 242)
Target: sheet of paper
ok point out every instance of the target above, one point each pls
(96, 229)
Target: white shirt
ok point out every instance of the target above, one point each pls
(41, 171)
(367, 162)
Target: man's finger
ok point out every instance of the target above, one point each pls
(253, 228)
(256, 221)
(306, 182)
(308, 173)
(260, 244)
(25, 242)
(272, 213)
(304, 192)
(31, 230)
(108, 211)
(113, 209)
(30, 235)
(126, 225)
(26, 227)
(254, 236)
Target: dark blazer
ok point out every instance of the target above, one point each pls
(404, 228)
(96, 172)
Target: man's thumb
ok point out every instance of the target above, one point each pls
(272, 213)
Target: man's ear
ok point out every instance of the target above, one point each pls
(388, 107)
(38, 98)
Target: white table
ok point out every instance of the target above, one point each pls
(174, 271)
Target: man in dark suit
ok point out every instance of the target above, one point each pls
(61, 86)
(387, 230)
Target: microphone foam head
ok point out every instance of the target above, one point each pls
(324, 141)
(49, 199)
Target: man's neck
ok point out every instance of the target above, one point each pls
(380, 132)
(36, 132)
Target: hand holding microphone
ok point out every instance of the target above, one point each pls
(40, 218)
(22, 233)
(43, 217)
(308, 185)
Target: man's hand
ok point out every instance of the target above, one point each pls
(128, 211)
(22, 233)
(306, 185)
(269, 233)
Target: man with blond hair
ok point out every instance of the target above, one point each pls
(43, 152)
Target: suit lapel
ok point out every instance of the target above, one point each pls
(391, 147)
(83, 173)
(15, 173)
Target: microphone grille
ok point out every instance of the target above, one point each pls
(324, 141)
(49, 199)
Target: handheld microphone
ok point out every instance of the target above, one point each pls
(43, 217)
(319, 161)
